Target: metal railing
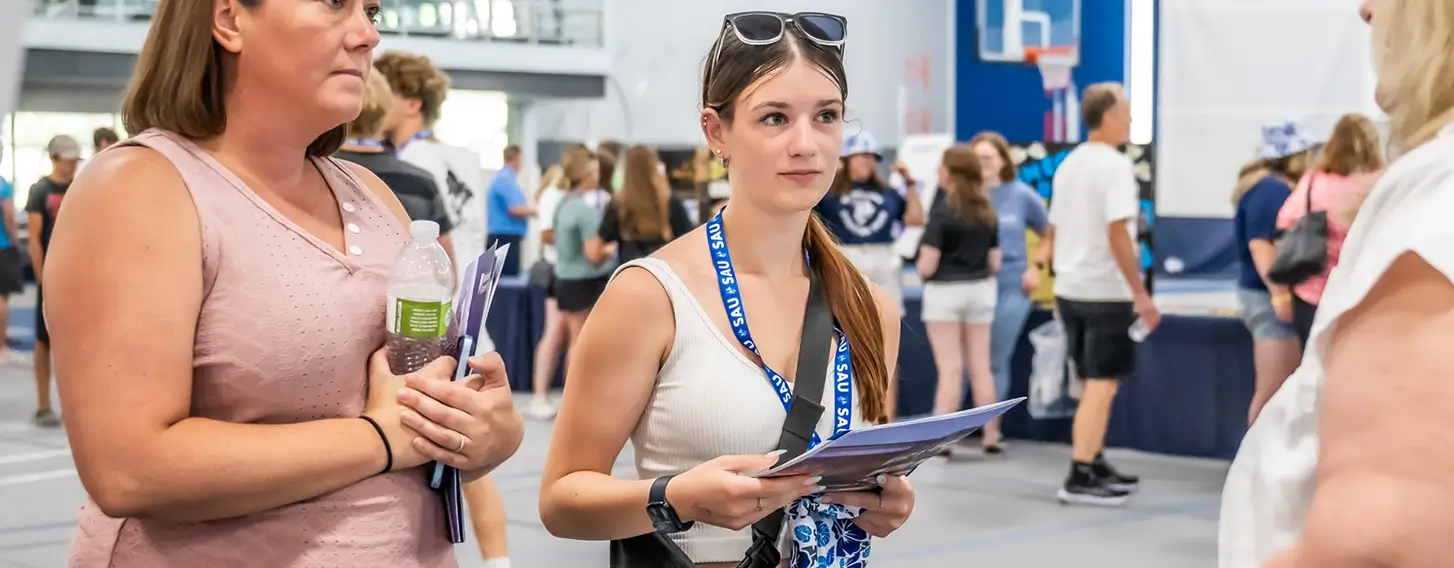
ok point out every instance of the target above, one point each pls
(546, 22)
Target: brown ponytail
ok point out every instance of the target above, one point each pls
(857, 314)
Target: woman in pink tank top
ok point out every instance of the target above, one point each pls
(1346, 169)
(215, 291)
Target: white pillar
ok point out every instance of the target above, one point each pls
(12, 52)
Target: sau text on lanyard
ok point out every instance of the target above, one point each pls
(737, 318)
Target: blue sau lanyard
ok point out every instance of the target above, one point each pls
(737, 317)
(364, 143)
(421, 135)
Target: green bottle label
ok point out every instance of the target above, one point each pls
(420, 320)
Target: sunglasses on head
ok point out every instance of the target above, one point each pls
(767, 28)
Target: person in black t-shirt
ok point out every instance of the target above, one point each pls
(42, 206)
(958, 258)
(644, 216)
(414, 186)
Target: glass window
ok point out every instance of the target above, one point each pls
(476, 120)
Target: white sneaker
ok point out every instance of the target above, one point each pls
(13, 357)
(541, 409)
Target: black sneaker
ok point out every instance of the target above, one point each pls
(1112, 478)
(1083, 487)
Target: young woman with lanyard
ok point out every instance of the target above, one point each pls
(861, 210)
(669, 350)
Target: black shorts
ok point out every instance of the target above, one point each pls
(12, 271)
(579, 295)
(1098, 338)
(42, 335)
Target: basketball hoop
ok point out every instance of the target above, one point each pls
(1056, 64)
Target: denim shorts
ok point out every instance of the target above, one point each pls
(1259, 317)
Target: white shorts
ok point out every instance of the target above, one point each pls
(971, 301)
(880, 265)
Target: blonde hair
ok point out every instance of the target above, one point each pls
(1352, 148)
(1418, 67)
(415, 77)
(378, 98)
(1290, 168)
(177, 85)
(576, 163)
(553, 177)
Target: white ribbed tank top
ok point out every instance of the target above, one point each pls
(710, 400)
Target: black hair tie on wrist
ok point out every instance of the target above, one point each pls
(388, 451)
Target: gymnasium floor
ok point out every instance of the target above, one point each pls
(992, 513)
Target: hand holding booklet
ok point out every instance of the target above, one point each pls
(852, 461)
(466, 326)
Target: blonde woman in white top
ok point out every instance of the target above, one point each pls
(659, 362)
(1350, 464)
(555, 338)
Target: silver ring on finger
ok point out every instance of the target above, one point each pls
(462, 439)
(759, 504)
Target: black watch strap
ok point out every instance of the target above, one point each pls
(658, 490)
(664, 517)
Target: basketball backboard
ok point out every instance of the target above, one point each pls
(1007, 27)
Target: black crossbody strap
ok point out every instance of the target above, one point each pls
(814, 351)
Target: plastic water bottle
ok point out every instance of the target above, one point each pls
(1139, 331)
(419, 297)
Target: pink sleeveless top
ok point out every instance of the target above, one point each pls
(285, 332)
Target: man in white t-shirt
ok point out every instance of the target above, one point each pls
(1099, 294)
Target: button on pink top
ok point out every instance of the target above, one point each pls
(285, 332)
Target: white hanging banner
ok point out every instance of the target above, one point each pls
(12, 52)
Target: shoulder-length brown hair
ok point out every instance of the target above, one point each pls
(177, 85)
(843, 181)
(643, 197)
(967, 195)
(1352, 148)
(1008, 172)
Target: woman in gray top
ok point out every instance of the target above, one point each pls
(580, 279)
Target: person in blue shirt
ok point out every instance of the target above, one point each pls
(1019, 208)
(12, 268)
(863, 212)
(1262, 187)
(507, 211)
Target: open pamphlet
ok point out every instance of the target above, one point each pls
(852, 461)
(466, 326)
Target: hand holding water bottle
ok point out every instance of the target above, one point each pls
(1147, 318)
(470, 424)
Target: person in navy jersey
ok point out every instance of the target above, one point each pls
(1019, 208)
(1262, 187)
(862, 210)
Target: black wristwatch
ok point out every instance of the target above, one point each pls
(663, 517)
